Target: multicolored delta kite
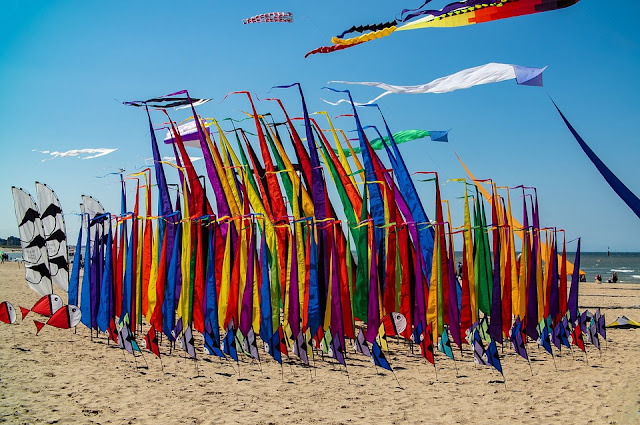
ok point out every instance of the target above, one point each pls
(461, 13)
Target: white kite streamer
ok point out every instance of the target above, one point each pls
(77, 152)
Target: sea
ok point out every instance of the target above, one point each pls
(625, 264)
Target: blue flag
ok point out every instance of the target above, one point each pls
(266, 322)
(444, 345)
(85, 300)
(516, 339)
(544, 337)
(212, 341)
(492, 356)
(211, 309)
(229, 343)
(378, 357)
(74, 280)
(336, 348)
(314, 296)
(168, 307)
(274, 346)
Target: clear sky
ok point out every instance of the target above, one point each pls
(66, 66)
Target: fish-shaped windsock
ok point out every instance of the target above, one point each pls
(45, 306)
(65, 318)
(7, 313)
(394, 323)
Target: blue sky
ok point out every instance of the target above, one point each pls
(65, 68)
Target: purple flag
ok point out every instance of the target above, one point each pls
(495, 325)
(419, 310)
(532, 298)
(556, 336)
(294, 296)
(479, 354)
(336, 303)
(336, 348)
(572, 304)
(95, 262)
(602, 330)
(593, 334)
(360, 344)
(373, 308)
(516, 339)
(554, 303)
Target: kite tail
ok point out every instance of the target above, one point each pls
(329, 49)
(383, 32)
(369, 27)
(39, 326)
(24, 311)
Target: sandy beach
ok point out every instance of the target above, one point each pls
(62, 376)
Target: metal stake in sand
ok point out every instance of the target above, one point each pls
(143, 358)
(586, 359)
(394, 375)
(529, 362)
(554, 360)
(347, 371)
(195, 360)
(282, 368)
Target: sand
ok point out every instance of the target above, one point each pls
(63, 377)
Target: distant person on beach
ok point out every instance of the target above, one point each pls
(614, 278)
(598, 278)
(459, 269)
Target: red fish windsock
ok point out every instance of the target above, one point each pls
(7, 313)
(394, 323)
(65, 318)
(45, 306)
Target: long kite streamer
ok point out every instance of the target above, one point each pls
(456, 14)
(329, 49)
(89, 152)
(403, 136)
(623, 191)
(467, 78)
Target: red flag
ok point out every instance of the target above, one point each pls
(427, 344)
(113, 331)
(576, 335)
(406, 255)
(347, 315)
(151, 339)
(156, 318)
(198, 287)
(465, 299)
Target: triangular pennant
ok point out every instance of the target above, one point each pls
(379, 358)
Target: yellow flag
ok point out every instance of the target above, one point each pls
(153, 277)
(225, 281)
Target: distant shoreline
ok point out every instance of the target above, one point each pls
(10, 249)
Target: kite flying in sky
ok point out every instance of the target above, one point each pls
(270, 17)
(456, 14)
